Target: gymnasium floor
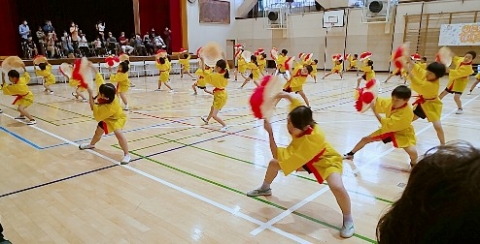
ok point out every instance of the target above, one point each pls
(187, 182)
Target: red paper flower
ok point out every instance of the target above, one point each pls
(77, 75)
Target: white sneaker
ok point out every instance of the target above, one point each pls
(204, 120)
(31, 122)
(51, 93)
(1, 111)
(347, 231)
(126, 159)
(224, 129)
(84, 146)
(84, 100)
(459, 111)
(171, 91)
(469, 93)
(20, 117)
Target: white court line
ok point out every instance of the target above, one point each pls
(178, 188)
(324, 190)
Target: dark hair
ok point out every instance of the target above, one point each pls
(424, 59)
(254, 59)
(169, 58)
(108, 90)
(127, 61)
(222, 64)
(370, 63)
(161, 60)
(124, 66)
(316, 61)
(473, 53)
(284, 51)
(355, 55)
(185, 55)
(301, 117)
(340, 61)
(309, 68)
(440, 202)
(42, 66)
(13, 74)
(402, 92)
(264, 55)
(438, 69)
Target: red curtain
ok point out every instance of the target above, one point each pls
(176, 24)
(10, 40)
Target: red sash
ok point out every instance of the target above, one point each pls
(312, 169)
(18, 97)
(218, 89)
(421, 100)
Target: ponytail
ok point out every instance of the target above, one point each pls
(226, 75)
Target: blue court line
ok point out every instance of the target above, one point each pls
(19, 137)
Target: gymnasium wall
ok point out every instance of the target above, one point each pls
(200, 33)
(305, 32)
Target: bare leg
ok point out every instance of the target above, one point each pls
(302, 94)
(122, 141)
(412, 153)
(389, 77)
(437, 125)
(442, 95)
(474, 85)
(24, 112)
(327, 75)
(215, 117)
(98, 135)
(359, 80)
(245, 82)
(364, 141)
(124, 99)
(457, 100)
(168, 86)
(341, 195)
(194, 87)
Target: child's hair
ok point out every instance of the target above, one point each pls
(222, 64)
(264, 55)
(440, 202)
(370, 63)
(124, 66)
(127, 61)
(309, 68)
(161, 60)
(13, 74)
(185, 55)
(284, 51)
(424, 59)
(301, 117)
(169, 58)
(355, 55)
(402, 92)
(254, 59)
(107, 90)
(438, 69)
(340, 61)
(473, 53)
(42, 66)
(316, 61)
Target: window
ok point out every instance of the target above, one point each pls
(269, 4)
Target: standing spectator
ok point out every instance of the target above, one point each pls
(48, 27)
(67, 43)
(124, 43)
(99, 48)
(74, 34)
(168, 39)
(51, 49)
(42, 39)
(112, 44)
(83, 44)
(24, 31)
(100, 26)
(147, 41)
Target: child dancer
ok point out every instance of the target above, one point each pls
(46, 72)
(295, 84)
(396, 127)
(426, 82)
(185, 63)
(262, 63)
(477, 80)
(201, 83)
(123, 83)
(308, 151)
(110, 117)
(163, 65)
(219, 80)
(401, 72)
(282, 58)
(353, 63)
(255, 71)
(368, 73)
(314, 72)
(337, 69)
(242, 67)
(458, 78)
(423, 63)
(19, 89)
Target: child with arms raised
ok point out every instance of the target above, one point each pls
(308, 151)
(19, 89)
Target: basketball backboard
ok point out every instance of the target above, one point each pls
(333, 18)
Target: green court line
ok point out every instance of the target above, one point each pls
(243, 193)
(76, 117)
(251, 163)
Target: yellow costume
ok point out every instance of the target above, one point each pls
(396, 126)
(242, 65)
(398, 71)
(458, 77)
(353, 64)
(219, 94)
(368, 73)
(123, 83)
(311, 152)
(20, 90)
(314, 69)
(281, 63)
(76, 83)
(185, 63)
(255, 71)
(46, 74)
(164, 71)
(477, 76)
(110, 116)
(99, 80)
(202, 82)
(262, 62)
(428, 101)
(422, 65)
(337, 68)
(295, 84)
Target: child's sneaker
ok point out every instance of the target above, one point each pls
(348, 156)
(204, 120)
(51, 93)
(469, 93)
(348, 230)
(31, 122)
(84, 146)
(75, 95)
(459, 111)
(1, 111)
(171, 91)
(126, 159)
(259, 192)
(224, 129)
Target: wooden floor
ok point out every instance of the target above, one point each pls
(187, 182)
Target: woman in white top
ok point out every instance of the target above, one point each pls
(83, 44)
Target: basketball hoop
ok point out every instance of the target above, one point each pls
(328, 26)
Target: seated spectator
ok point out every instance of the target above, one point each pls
(139, 46)
(67, 45)
(112, 44)
(126, 48)
(42, 39)
(99, 49)
(159, 43)
(32, 47)
(147, 41)
(83, 45)
(440, 202)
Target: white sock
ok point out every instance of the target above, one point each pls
(265, 186)
(347, 219)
